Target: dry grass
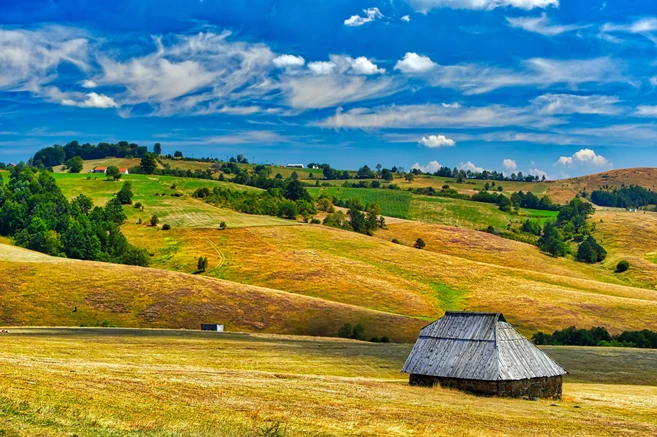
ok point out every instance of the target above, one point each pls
(458, 269)
(34, 292)
(163, 383)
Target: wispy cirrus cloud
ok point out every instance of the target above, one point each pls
(576, 104)
(542, 25)
(427, 5)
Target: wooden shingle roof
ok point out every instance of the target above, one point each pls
(481, 346)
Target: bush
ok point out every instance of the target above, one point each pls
(166, 227)
(222, 226)
(154, 220)
(356, 332)
(125, 194)
(138, 205)
(419, 244)
(622, 266)
(345, 331)
(202, 264)
(315, 221)
(384, 339)
(396, 241)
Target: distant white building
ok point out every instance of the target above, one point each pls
(296, 166)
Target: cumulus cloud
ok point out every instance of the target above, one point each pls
(371, 14)
(289, 61)
(431, 167)
(29, 58)
(574, 104)
(89, 84)
(541, 25)
(426, 5)
(406, 18)
(470, 166)
(362, 65)
(510, 165)
(92, 100)
(322, 67)
(537, 172)
(434, 141)
(414, 63)
(584, 157)
(345, 65)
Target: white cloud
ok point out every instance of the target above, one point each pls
(470, 166)
(29, 58)
(333, 90)
(510, 164)
(584, 157)
(289, 61)
(89, 84)
(431, 116)
(540, 25)
(431, 167)
(451, 105)
(345, 65)
(537, 172)
(362, 65)
(321, 67)
(406, 18)
(92, 100)
(434, 141)
(645, 27)
(646, 111)
(414, 63)
(538, 72)
(371, 14)
(574, 104)
(426, 5)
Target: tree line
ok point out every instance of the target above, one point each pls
(633, 196)
(597, 336)
(37, 216)
(58, 155)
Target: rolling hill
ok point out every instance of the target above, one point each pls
(46, 291)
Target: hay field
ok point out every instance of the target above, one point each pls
(101, 382)
(459, 269)
(40, 290)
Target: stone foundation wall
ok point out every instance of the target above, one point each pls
(549, 388)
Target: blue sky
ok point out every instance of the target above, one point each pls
(556, 87)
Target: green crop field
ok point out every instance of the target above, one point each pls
(456, 212)
(394, 203)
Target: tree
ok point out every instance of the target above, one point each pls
(622, 266)
(157, 149)
(222, 226)
(586, 253)
(288, 210)
(378, 170)
(419, 244)
(148, 163)
(295, 191)
(409, 177)
(75, 164)
(177, 154)
(113, 172)
(202, 264)
(387, 175)
(154, 220)
(365, 173)
(125, 194)
(551, 241)
(294, 175)
(114, 212)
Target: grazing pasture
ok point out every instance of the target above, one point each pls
(100, 382)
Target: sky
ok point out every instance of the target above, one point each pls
(546, 87)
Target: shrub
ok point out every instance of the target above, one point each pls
(419, 244)
(139, 221)
(345, 331)
(222, 226)
(202, 264)
(622, 266)
(173, 186)
(138, 205)
(315, 221)
(384, 339)
(107, 324)
(374, 339)
(166, 227)
(396, 241)
(154, 220)
(125, 194)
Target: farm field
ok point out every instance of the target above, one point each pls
(394, 203)
(99, 382)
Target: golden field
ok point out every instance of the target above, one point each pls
(102, 382)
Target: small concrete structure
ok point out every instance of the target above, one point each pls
(212, 327)
(482, 354)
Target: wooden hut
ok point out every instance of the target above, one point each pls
(483, 354)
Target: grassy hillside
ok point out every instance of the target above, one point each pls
(62, 382)
(137, 297)
(458, 269)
